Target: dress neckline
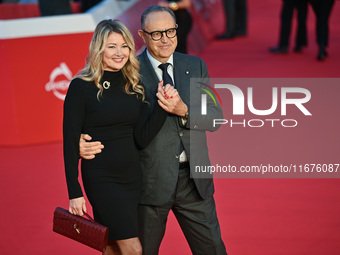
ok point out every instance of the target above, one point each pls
(112, 79)
(112, 75)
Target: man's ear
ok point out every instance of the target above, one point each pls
(141, 34)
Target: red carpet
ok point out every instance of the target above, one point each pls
(257, 216)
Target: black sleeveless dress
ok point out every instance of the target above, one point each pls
(112, 180)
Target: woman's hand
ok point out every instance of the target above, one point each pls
(77, 206)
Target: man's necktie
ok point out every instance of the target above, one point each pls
(166, 76)
(167, 80)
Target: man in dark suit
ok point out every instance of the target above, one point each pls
(288, 7)
(166, 168)
(166, 175)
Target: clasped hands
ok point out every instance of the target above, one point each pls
(170, 100)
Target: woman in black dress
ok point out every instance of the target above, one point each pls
(106, 102)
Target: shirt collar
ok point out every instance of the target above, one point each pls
(155, 63)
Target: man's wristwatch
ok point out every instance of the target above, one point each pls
(173, 6)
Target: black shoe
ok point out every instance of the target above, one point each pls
(240, 33)
(326, 53)
(322, 55)
(225, 36)
(278, 50)
(298, 49)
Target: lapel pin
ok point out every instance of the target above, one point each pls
(186, 72)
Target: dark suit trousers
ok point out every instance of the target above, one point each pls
(322, 10)
(197, 218)
(236, 17)
(286, 22)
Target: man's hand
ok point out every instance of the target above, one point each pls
(87, 150)
(170, 101)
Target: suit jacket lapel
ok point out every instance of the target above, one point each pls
(150, 82)
(149, 78)
(182, 77)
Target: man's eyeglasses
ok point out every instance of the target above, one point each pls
(157, 35)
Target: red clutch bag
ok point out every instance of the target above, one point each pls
(80, 229)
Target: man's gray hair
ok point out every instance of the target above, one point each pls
(155, 8)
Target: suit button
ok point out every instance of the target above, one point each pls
(181, 134)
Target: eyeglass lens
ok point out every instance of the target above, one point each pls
(157, 35)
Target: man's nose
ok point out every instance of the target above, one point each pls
(164, 37)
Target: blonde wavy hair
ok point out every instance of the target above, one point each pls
(94, 69)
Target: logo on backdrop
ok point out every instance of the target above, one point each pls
(59, 81)
(204, 97)
(239, 102)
